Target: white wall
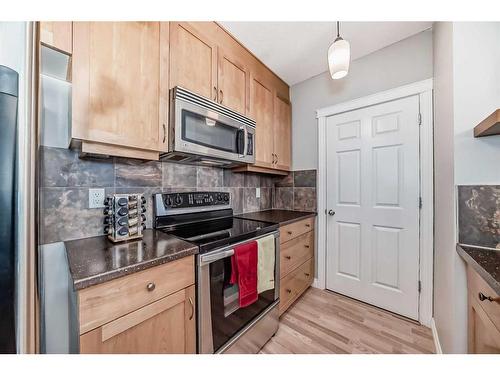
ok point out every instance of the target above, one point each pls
(476, 48)
(404, 62)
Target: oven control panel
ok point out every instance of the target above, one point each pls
(195, 199)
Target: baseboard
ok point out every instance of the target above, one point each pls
(315, 284)
(435, 336)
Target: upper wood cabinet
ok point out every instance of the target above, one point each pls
(193, 57)
(282, 128)
(58, 35)
(120, 87)
(262, 111)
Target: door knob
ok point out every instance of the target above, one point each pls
(331, 212)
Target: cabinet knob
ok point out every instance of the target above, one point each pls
(308, 225)
(288, 257)
(290, 232)
(164, 133)
(215, 93)
(221, 96)
(307, 246)
(307, 274)
(192, 308)
(289, 291)
(150, 287)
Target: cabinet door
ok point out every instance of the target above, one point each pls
(193, 57)
(118, 84)
(261, 110)
(58, 35)
(283, 129)
(233, 80)
(165, 326)
(484, 337)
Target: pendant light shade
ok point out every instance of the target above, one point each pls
(339, 56)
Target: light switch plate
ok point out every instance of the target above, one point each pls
(96, 198)
(257, 192)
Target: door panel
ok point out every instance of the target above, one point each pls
(261, 107)
(233, 80)
(373, 185)
(193, 57)
(116, 83)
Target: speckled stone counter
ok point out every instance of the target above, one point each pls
(281, 217)
(485, 262)
(96, 260)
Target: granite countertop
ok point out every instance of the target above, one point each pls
(486, 262)
(96, 260)
(281, 217)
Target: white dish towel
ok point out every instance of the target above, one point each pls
(265, 263)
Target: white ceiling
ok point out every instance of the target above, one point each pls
(296, 51)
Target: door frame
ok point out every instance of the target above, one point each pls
(426, 247)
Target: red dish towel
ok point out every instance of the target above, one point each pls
(244, 272)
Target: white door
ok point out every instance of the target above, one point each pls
(373, 194)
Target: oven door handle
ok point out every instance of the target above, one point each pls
(209, 258)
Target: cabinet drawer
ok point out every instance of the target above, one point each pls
(295, 252)
(105, 302)
(478, 285)
(293, 230)
(295, 283)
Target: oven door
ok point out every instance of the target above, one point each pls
(202, 131)
(219, 322)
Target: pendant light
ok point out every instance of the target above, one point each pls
(339, 56)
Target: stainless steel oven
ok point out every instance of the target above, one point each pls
(244, 330)
(207, 133)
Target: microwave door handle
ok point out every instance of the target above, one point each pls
(209, 258)
(245, 141)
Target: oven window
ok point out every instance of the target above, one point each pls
(226, 320)
(210, 133)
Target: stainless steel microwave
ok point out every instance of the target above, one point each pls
(206, 133)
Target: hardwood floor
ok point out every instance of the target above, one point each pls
(326, 322)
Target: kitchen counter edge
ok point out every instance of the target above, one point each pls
(484, 273)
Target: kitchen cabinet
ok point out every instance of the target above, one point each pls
(193, 57)
(483, 316)
(164, 326)
(296, 261)
(282, 130)
(262, 111)
(58, 35)
(120, 87)
(151, 311)
(207, 61)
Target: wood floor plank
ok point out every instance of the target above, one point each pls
(326, 322)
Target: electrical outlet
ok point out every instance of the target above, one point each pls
(257, 192)
(96, 198)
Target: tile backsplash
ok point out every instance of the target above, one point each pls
(479, 215)
(65, 180)
(297, 191)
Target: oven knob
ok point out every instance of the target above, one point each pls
(219, 196)
(168, 201)
(226, 198)
(178, 199)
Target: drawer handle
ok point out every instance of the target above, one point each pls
(289, 232)
(288, 257)
(192, 308)
(150, 287)
(307, 246)
(307, 274)
(289, 291)
(482, 297)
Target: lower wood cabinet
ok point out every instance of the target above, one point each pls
(484, 316)
(152, 311)
(164, 326)
(296, 261)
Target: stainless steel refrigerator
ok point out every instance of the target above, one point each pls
(9, 93)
